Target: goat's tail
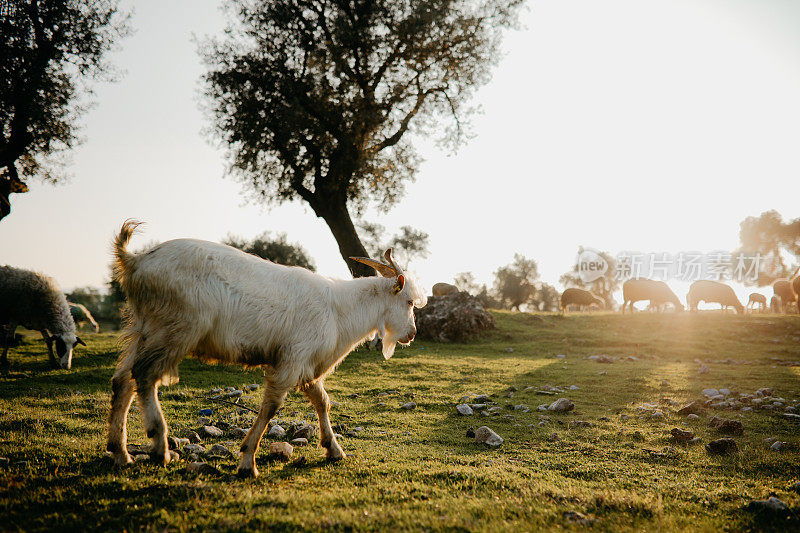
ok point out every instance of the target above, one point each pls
(123, 259)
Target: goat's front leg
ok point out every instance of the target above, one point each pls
(274, 394)
(7, 334)
(319, 399)
(49, 342)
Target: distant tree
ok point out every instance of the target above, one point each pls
(314, 98)
(465, 281)
(774, 240)
(278, 249)
(49, 50)
(546, 298)
(515, 284)
(604, 287)
(406, 245)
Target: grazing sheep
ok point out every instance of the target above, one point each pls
(783, 288)
(713, 292)
(444, 289)
(81, 315)
(33, 300)
(657, 292)
(579, 297)
(217, 303)
(775, 304)
(757, 299)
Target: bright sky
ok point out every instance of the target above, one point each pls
(619, 125)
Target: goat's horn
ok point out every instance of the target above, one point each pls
(382, 269)
(388, 256)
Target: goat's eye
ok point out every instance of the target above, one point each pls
(410, 303)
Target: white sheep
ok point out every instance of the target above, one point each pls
(34, 301)
(214, 302)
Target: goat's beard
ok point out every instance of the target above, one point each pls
(388, 341)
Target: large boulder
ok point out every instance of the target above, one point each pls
(453, 318)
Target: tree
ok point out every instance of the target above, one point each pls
(465, 281)
(407, 245)
(278, 250)
(49, 50)
(773, 239)
(314, 98)
(546, 298)
(515, 284)
(604, 287)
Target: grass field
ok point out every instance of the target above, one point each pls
(410, 470)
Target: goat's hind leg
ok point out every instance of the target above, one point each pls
(148, 372)
(319, 399)
(274, 394)
(121, 399)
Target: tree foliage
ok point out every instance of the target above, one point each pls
(777, 241)
(314, 98)
(49, 50)
(408, 244)
(278, 249)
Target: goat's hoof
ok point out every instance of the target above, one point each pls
(335, 457)
(122, 460)
(245, 473)
(159, 459)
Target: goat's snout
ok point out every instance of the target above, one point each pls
(409, 337)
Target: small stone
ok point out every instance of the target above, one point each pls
(205, 412)
(727, 426)
(484, 435)
(408, 406)
(219, 449)
(681, 436)
(238, 432)
(561, 356)
(194, 448)
(561, 405)
(276, 432)
(280, 451)
(464, 409)
(724, 392)
(509, 350)
(234, 393)
(471, 432)
(771, 505)
(692, 416)
(580, 424)
(778, 446)
(709, 393)
(203, 421)
(251, 387)
(722, 446)
(573, 387)
(193, 437)
(304, 431)
(703, 369)
(693, 408)
(577, 518)
(791, 416)
(211, 431)
(481, 398)
(202, 468)
(764, 391)
(299, 442)
(542, 407)
(523, 408)
(657, 414)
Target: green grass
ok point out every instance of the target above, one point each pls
(411, 470)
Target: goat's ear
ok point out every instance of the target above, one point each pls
(399, 284)
(79, 341)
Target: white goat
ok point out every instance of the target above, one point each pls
(191, 297)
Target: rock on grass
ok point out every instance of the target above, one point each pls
(562, 405)
(771, 505)
(464, 409)
(203, 468)
(727, 426)
(280, 451)
(724, 446)
(211, 431)
(681, 436)
(484, 435)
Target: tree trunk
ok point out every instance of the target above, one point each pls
(335, 214)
